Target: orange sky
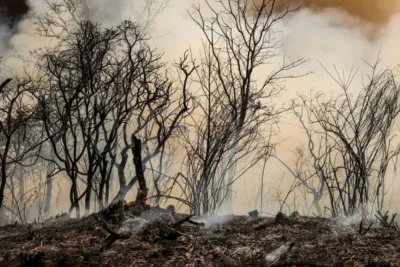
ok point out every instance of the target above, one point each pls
(376, 11)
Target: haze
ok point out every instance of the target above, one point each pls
(374, 11)
(327, 32)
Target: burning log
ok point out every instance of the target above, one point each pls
(131, 203)
(128, 203)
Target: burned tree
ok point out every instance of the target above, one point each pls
(209, 136)
(20, 143)
(240, 37)
(303, 171)
(94, 78)
(141, 196)
(158, 121)
(101, 83)
(356, 140)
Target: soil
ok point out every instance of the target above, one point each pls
(151, 236)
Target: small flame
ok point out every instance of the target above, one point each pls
(131, 203)
(128, 203)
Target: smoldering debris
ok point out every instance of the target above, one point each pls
(132, 225)
(147, 237)
(279, 253)
(346, 221)
(211, 221)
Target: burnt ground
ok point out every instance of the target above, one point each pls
(150, 237)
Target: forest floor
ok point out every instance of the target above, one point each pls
(132, 236)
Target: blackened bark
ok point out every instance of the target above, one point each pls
(137, 161)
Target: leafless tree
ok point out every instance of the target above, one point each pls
(160, 167)
(356, 140)
(303, 171)
(93, 79)
(19, 141)
(158, 121)
(308, 160)
(240, 36)
(209, 135)
(98, 86)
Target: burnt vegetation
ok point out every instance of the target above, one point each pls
(142, 154)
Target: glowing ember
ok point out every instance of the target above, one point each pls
(128, 203)
(131, 203)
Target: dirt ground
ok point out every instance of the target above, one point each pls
(145, 236)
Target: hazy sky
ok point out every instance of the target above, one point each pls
(376, 11)
(340, 32)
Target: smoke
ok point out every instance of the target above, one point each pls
(275, 255)
(12, 11)
(374, 11)
(132, 225)
(10, 15)
(336, 34)
(323, 31)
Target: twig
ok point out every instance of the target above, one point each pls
(360, 232)
(369, 227)
(179, 223)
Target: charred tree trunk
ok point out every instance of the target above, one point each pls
(137, 161)
(4, 156)
(3, 174)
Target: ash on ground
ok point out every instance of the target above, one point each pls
(146, 236)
